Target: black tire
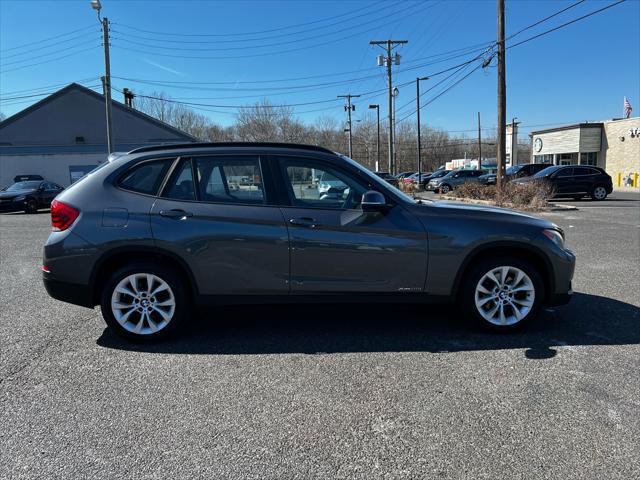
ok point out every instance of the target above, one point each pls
(599, 193)
(30, 205)
(445, 188)
(476, 272)
(177, 286)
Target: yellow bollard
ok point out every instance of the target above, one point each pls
(619, 178)
(635, 179)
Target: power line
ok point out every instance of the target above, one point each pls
(545, 19)
(48, 87)
(289, 34)
(39, 49)
(49, 61)
(566, 24)
(241, 33)
(56, 52)
(46, 39)
(253, 55)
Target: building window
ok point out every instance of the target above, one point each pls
(543, 158)
(589, 158)
(567, 158)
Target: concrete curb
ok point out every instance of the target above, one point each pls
(551, 207)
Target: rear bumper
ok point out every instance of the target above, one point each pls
(68, 292)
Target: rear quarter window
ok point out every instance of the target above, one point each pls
(145, 177)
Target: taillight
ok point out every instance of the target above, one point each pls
(62, 216)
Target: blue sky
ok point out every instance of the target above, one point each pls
(316, 50)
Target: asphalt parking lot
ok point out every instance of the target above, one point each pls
(352, 391)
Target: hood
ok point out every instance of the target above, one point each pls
(485, 212)
(16, 193)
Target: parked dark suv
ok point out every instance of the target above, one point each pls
(513, 172)
(574, 181)
(154, 232)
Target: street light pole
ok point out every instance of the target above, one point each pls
(377, 108)
(106, 79)
(394, 166)
(419, 140)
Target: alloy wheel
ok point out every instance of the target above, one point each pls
(599, 193)
(504, 295)
(143, 303)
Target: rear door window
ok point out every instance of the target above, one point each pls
(146, 177)
(180, 186)
(229, 179)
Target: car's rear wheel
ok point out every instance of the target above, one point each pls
(444, 189)
(599, 193)
(502, 293)
(144, 302)
(30, 205)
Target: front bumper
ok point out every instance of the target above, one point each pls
(432, 188)
(11, 206)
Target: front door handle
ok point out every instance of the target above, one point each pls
(177, 214)
(303, 222)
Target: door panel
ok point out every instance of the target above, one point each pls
(231, 249)
(336, 247)
(351, 251)
(232, 246)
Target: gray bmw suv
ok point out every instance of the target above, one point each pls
(157, 231)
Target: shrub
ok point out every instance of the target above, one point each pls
(528, 196)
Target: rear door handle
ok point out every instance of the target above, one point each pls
(303, 222)
(176, 214)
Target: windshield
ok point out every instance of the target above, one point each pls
(514, 169)
(28, 185)
(547, 171)
(370, 174)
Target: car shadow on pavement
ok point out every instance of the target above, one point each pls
(334, 328)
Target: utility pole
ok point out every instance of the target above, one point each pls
(377, 108)
(419, 139)
(514, 141)
(106, 79)
(388, 46)
(349, 108)
(502, 98)
(479, 145)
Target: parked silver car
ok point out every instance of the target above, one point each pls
(453, 179)
(155, 232)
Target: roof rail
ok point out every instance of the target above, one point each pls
(153, 148)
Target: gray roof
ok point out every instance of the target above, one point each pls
(116, 106)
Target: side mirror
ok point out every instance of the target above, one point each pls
(373, 201)
(41, 188)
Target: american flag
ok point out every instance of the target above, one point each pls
(627, 108)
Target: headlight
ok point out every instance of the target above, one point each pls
(555, 236)
(19, 198)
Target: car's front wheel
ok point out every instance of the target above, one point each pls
(502, 293)
(444, 189)
(144, 302)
